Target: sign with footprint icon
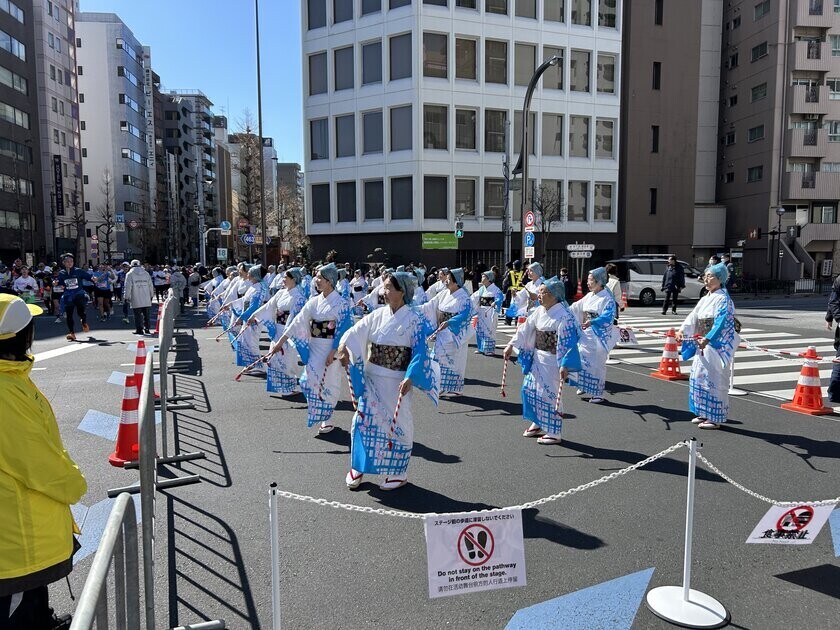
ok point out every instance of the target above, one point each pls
(474, 551)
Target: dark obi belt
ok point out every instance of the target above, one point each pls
(488, 300)
(323, 330)
(547, 340)
(391, 357)
(444, 317)
(282, 317)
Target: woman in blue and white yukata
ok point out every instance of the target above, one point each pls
(595, 312)
(247, 346)
(239, 284)
(216, 293)
(282, 373)
(389, 356)
(448, 314)
(209, 287)
(548, 350)
(315, 333)
(525, 299)
(487, 303)
(708, 335)
(419, 294)
(376, 298)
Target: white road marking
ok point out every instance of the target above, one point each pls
(57, 352)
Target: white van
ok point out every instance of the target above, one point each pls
(641, 277)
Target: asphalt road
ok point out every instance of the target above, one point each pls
(349, 570)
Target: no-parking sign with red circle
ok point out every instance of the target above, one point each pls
(786, 525)
(530, 221)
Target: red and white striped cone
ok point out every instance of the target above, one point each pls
(126, 448)
(669, 365)
(140, 365)
(159, 317)
(808, 398)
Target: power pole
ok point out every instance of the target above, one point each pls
(260, 132)
(506, 217)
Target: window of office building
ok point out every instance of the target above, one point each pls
(465, 58)
(761, 9)
(496, 6)
(14, 115)
(517, 132)
(435, 129)
(434, 197)
(526, 8)
(465, 197)
(494, 130)
(603, 202)
(577, 205)
(374, 200)
(345, 201)
(604, 130)
(345, 136)
(657, 75)
(344, 69)
(372, 63)
(833, 127)
(755, 133)
(495, 61)
(435, 3)
(523, 69)
(465, 120)
(13, 46)
(494, 197)
(396, 4)
(318, 73)
(372, 132)
(733, 100)
(658, 11)
(582, 12)
(653, 200)
(833, 85)
(342, 11)
(435, 59)
(758, 52)
(579, 71)
(371, 6)
(579, 136)
(554, 10)
(401, 128)
(552, 78)
(319, 140)
(317, 12)
(400, 56)
(731, 63)
(755, 173)
(552, 134)
(835, 45)
(320, 203)
(654, 138)
(402, 198)
(758, 92)
(606, 13)
(466, 4)
(606, 74)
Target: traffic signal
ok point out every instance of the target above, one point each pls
(459, 229)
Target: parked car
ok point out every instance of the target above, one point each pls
(641, 277)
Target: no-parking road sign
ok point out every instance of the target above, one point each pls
(475, 551)
(786, 525)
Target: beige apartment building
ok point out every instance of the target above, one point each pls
(777, 139)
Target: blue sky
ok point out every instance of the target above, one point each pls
(210, 45)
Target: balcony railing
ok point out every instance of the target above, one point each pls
(814, 50)
(815, 7)
(812, 94)
(809, 180)
(809, 138)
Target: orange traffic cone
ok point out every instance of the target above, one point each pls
(126, 448)
(669, 365)
(159, 317)
(579, 293)
(624, 299)
(140, 365)
(808, 396)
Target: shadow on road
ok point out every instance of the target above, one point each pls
(666, 414)
(196, 434)
(824, 579)
(803, 447)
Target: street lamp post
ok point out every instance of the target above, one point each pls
(522, 164)
(260, 132)
(780, 211)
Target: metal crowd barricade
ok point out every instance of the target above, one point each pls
(117, 548)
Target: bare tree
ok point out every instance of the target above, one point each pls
(290, 219)
(106, 211)
(550, 209)
(248, 166)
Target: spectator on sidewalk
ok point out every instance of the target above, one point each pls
(832, 320)
(730, 269)
(139, 292)
(673, 281)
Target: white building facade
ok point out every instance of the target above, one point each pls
(406, 105)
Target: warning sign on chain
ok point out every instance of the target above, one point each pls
(476, 551)
(785, 525)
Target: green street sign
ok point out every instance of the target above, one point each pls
(439, 240)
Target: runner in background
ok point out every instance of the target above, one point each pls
(103, 280)
(75, 297)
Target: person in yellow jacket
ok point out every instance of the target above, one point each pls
(38, 483)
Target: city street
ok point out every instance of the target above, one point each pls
(343, 569)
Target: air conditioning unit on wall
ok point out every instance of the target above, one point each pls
(812, 116)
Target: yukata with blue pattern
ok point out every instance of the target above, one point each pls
(487, 316)
(452, 343)
(215, 295)
(319, 382)
(282, 373)
(247, 347)
(375, 299)
(377, 447)
(236, 289)
(522, 300)
(358, 290)
(541, 366)
(708, 385)
(596, 341)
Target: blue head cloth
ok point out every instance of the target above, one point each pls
(230, 270)
(719, 271)
(406, 283)
(296, 273)
(255, 272)
(556, 287)
(329, 273)
(445, 270)
(536, 268)
(421, 275)
(400, 268)
(342, 273)
(600, 276)
(491, 276)
(458, 275)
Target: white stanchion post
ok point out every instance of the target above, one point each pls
(734, 391)
(275, 556)
(680, 605)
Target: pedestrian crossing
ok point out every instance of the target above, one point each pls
(756, 372)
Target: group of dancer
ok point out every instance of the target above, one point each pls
(390, 337)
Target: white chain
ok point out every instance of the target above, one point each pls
(761, 497)
(524, 506)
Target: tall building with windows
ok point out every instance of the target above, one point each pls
(406, 108)
(779, 138)
(180, 132)
(21, 195)
(114, 125)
